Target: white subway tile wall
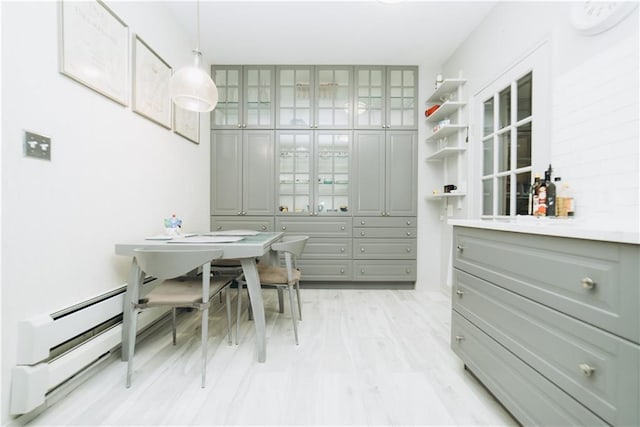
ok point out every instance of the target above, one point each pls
(595, 130)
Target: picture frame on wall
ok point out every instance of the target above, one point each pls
(151, 76)
(93, 48)
(186, 124)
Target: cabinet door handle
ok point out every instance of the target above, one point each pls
(408, 249)
(586, 369)
(460, 338)
(239, 212)
(219, 227)
(342, 228)
(284, 228)
(310, 213)
(588, 283)
(342, 271)
(244, 125)
(459, 248)
(459, 293)
(239, 126)
(342, 249)
(362, 233)
(361, 249)
(244, 212)
(264, 227)
(408, 271)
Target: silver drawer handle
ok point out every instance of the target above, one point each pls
(362, 270)
(362, 233)
(342, 271)
(459, 248)
(219, 227)
(361, 249)
(460, 338)
(284, 228)
(408, 249)
(408, 271)
(264, 227)
(586, 369)
(341, 249)
(408, 222)
(588, 283)
(459, 293)
(408, 233)
(342, 228)
(363, 222)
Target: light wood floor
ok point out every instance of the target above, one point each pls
(374, 357)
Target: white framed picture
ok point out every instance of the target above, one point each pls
(186, 124)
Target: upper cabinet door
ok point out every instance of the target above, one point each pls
(402, 95)
(295, 97)
(333, 98)
(401, 168)
(226, 172)
(258, 172)
(259, 97)
(369, 105)
(369, 173)
(228, 111)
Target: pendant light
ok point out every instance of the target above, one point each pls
(191, 87)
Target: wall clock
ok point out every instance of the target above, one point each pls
(593, 17)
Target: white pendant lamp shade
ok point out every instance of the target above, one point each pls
(192, 88)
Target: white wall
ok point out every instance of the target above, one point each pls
(593, 114)
(114, 175)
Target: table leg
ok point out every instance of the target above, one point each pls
(255, 294)
(136, 277)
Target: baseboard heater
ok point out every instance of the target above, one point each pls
(55, 347)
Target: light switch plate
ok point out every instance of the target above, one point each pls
(37, 146)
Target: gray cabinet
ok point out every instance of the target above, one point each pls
(386, 97)
(564, 311)
(242, 172)
(313, 172)
(246, 97)
(385, 173)
(256, 223)
(317, 97)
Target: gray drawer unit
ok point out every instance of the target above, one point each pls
(594, 281)
(598, 369)
(315, 227)
(385, 232)
(327, 248)
(530, 397)
(380, 221)
(388, 271)
(325, 270)
(384, 248)
(257, 223)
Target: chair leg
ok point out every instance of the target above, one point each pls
(280, 300)
(132, 342)
(173, 324)
(205, 335)
(293, 315)
(299, 301)
(238, 312)
(227, 294)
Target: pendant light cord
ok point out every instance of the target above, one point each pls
(198, 25)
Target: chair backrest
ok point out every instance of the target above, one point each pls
(292, 247)
(166, 263)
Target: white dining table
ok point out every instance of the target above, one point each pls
(246, 249)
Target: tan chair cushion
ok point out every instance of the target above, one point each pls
(272, 275)
(183, 291)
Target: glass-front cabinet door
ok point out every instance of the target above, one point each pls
(402, 95)
(369, 104)
(295, 97)
(245, 97)
(333, 97)
(313, 172)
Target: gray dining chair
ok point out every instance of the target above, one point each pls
(287, 277)
(177, 289)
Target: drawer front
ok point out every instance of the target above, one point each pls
(385, 232)
(594, 281)
(382, 221)
(316, 227)
(561, 348)
(256, 223)
(530, 397)
(387, 271)
(325, 270)
(384, 248)
(323, 248)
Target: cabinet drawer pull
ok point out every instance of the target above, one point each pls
(342, 271)
(408, 222)
(362, 233)
(459, 248)
(361, 249)
(408, 249)
(459, 293)
(362, 270)
(586, 369)
(219, 227)
(284, 227)
(408, 271)
(459, 338)
(264, 227)
(588, 283)
(408, 233)
(363, 222)
(342, 228)
(341, 249)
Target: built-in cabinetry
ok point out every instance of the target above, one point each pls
(551, 325)
(317, 150)
(448, 139)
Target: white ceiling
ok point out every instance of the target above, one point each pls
(330, 32)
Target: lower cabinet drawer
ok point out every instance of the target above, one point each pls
(385, 271)
(321, 270)
(384, 248)
(385, 232)
(529, 396)
(256, 223)
(323, 248)
(315, 227)
(598, 369)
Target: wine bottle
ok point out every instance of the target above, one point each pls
(533, 195)
(551, 193)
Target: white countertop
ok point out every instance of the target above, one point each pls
(573, 228)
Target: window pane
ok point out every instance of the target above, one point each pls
(524, 146)
(487, 157)
(524, 96)
(504, 150)
(504, 108)
(488, 117)
(487, 196)
(503, 195)
(523, 186)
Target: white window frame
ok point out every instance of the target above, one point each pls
(537, 62)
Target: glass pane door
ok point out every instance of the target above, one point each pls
(228, 111)
(333, 97)
(369, 99)
(333, 157)
(401, 97)
(295, 93)
(259, 89)
(294, 172)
